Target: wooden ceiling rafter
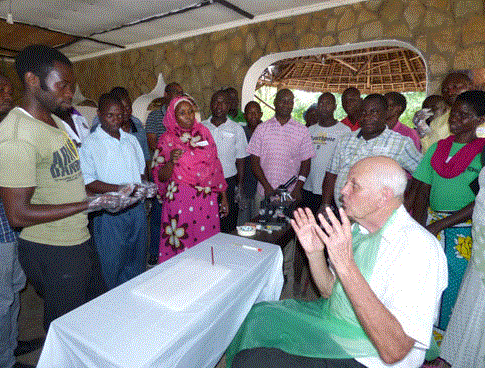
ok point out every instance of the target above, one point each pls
(380, 69)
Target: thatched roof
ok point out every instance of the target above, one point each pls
(371, 70)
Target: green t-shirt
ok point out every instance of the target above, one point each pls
(35, 154)
(448, 194)
(239, 118)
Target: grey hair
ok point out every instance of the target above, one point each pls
(392, 177)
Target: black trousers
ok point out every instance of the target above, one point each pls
(64, 276)
(228, 223)
(276, 358)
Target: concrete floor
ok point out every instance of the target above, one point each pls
(32, 309)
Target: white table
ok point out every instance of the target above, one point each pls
(120, 329)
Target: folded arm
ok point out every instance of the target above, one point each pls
(457, 217)
(421, 201)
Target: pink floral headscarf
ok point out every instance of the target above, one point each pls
(199, 165)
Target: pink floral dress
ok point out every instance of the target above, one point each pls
(190, 211)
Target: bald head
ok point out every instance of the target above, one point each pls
(384, 172)
(374, 189)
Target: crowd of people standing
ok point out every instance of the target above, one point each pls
(73, 194)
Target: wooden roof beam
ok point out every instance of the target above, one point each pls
(345, 64)
(364, 53)
(364, 66)
(408, 65)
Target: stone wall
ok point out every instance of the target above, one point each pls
(449, 33)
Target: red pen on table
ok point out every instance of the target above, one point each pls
(212, 254)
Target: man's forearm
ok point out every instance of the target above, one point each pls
(258, 172)
(305, 168)
(383, 329)
(98, 186)
(303, 173)
(152, 141)
(322, 276)
(328, 187)
(240, 171)
(21, 213)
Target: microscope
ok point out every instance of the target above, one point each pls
(278, 207)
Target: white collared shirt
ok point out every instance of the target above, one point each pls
(409, 276)
(231, 144)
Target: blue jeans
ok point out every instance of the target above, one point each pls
(12, 280)
(121, 241)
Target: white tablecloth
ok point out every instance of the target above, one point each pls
(120, 329)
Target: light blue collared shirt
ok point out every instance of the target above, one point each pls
(110, 160)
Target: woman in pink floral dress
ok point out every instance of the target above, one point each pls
(190, 180)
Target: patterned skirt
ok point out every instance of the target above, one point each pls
(457, 244)
(189, 216)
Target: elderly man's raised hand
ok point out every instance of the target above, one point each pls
(307, 230)
(338, 239)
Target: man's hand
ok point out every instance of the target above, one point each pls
(296, 195)
(125, 190)
(338, 239)
(310, 235)
(268, 191)
(306, 229)
(145, 190)
(152, 189)
(224, 207)
(107, 201)
(140, 191)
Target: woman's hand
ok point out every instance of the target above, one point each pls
(166, 170)
(175, 154)
(457, 217)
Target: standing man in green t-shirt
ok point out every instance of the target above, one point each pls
(235, 114)
(42, 187)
